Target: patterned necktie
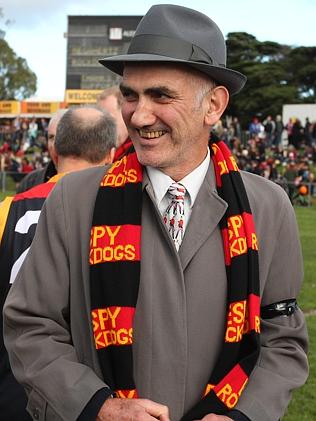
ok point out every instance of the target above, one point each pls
(174, 214)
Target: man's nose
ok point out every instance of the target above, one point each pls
(143, 114)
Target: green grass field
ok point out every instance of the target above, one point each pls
(306, 218)
(303, 404)
(10, 188)
(7, 193)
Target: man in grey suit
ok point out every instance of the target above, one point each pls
(140, 299)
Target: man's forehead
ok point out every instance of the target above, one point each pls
(160, 70)
(110, 102)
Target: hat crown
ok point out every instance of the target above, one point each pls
(182, 23)
(179, 35)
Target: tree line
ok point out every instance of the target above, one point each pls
(277, 74)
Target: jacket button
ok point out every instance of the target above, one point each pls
(36, 413)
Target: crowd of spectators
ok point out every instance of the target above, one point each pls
(285, 154)
(23, 145)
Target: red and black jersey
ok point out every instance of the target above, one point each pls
(18, 220)
(19, 216)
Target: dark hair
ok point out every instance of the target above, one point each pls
(86, 132)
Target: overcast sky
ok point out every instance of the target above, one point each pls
(38, 27)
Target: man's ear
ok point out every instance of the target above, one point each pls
(217, 100)
(112, 154)
(53, 154)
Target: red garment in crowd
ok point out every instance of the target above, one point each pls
(26, 168)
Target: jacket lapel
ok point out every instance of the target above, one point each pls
(203, 221)
(207, 212)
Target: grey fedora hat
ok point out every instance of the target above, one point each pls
(176, 34)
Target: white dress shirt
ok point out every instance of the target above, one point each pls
(192, 183)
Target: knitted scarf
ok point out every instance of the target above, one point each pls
(115, 272)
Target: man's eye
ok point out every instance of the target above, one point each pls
(128, 96)
(161, 96)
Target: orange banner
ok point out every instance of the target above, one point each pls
(9, 107)
(30, 107)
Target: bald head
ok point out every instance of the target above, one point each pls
(87, 117)
(87, 133)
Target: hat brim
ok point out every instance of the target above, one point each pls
(234, 81)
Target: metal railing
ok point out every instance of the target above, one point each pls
(8, 180)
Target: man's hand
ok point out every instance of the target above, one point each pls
(214, 417)
(132, 410)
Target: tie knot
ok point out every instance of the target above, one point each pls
(177, 191)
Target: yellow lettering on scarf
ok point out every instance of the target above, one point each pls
(223, 167)
(114, 315)
(257, 324)
(97, 232)
(230, 396)
(238, 246)
(234, 164)
(112, 234)
(102, 315)
(237, 324)
(105, 338)
(227, 396)
(254, 241)
(109, 253)
(236, 222)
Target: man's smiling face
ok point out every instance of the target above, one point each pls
(164, 110)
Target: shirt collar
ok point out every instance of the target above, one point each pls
(192, 182)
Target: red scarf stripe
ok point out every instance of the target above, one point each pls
(254, 313)
(219, 164)
(226, 247)
(123, 149)
(228, 157)
(110, 243)
(112, 326)
(229, 389)
(223, 160)
(239, 236)
(243, 317)
(123, 172)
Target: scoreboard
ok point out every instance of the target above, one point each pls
(90, 38)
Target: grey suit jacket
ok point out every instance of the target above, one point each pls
(180, 316)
